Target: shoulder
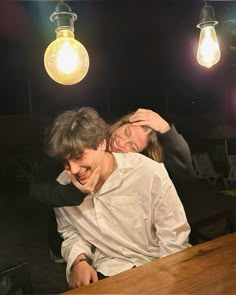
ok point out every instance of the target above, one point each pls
(138, 161)
(127, 158)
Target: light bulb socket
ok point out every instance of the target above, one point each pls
(207, 17)
(63, 17)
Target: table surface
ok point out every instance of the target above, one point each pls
(207, 268)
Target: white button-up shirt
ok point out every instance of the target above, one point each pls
(135, 217)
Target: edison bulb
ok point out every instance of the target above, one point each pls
(66, 60)
(208, 52)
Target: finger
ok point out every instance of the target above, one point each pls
(86, 280)
(135, 118)
(98, 170)
(93, 180)
(140, 116)
(67, 167)
(70, 284)
(78, 284)
(73, 284)
(77, 184)
(139, 123)
(140, 110)
(73, 179)
(91, 183)
(94, 277)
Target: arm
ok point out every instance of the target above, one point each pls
(48, 187)
(178, 160)
(76, 252)
(170, 222)
(45, 188)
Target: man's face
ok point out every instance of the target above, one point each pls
(82, 167)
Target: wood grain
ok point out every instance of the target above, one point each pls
(208, 268)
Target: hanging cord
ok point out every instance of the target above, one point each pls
(205, 3)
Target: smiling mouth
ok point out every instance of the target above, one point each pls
(82, 176)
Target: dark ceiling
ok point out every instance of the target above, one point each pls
(142, 54)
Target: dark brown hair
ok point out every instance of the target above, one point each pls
(73, 131)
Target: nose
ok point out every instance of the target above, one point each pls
(123, 145)
(74, 167)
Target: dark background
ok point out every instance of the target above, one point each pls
(142, 54)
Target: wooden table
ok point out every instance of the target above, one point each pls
(208, 268)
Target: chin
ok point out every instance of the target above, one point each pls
(83, 182)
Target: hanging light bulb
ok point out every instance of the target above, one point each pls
(208, 52)
(66, 60)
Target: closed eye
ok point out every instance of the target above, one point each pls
(134, 147)
(80, 157)
(127, 131)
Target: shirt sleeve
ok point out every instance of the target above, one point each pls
(178, 159)
(45, 188)
(170, 221)
(73, 244)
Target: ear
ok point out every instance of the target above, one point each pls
(103, 145)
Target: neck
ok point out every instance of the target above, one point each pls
(108, 167)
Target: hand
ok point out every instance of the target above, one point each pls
(82, 274)
(90, 185)
(151, 119)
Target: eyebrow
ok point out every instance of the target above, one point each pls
(79, 156)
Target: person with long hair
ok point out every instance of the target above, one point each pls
(159, 141)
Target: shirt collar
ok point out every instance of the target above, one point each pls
(114, 180)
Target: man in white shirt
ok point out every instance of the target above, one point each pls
(133, 215)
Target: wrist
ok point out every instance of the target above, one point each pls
(164, 128)
(81, 258)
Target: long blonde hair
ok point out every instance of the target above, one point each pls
(153, 149)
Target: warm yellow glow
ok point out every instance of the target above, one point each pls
(208, 52)
(66, 60)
